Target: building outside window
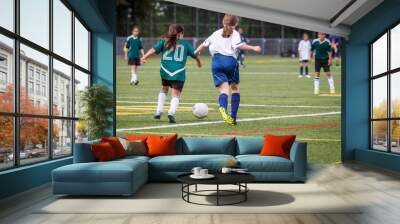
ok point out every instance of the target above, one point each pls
(34, 85)
(385, 92)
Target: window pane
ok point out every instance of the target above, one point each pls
(62, 29)
(62, 138)
(6, 142)
(6, 74)
(379, 56)
(395, 136)
(81, 131)
(379, 97)
(35, 21)
(395, 94)
(81, 82)
(7, 14)
(81, 45)
(33, 139)
(34, 97)
(379, 135)
(62, 89)
(395, 47)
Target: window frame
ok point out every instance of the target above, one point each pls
(16, 114)
(388, 74)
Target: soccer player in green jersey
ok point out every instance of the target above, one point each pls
(133, 46)
(321, 48)
(174, 51)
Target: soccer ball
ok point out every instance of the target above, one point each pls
(200, 110)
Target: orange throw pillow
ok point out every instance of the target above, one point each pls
(161, 145)
(136, 138)
(116, 145)
(275, 145)
(103, 152)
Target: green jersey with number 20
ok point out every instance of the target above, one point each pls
(173, 62)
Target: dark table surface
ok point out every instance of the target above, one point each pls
(220, 178)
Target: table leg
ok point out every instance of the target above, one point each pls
(245, 193)
(217, 194)
(195, 188)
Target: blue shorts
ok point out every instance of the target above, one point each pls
(224, 69)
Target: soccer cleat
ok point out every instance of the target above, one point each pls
(316, 91)
(171, 119)
(228, 119)
(332, 91)
(157, 115)
(308, 76)
(137, 82)
(300, 76)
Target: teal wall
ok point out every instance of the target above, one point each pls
(100, 16)
(356, 99)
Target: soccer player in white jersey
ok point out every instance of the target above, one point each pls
(304, 55)
(223, 45)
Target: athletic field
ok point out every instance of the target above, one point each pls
(273, 101)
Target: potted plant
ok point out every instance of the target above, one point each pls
(97, 104)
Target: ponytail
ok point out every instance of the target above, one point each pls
(229, 21)
(171, 38)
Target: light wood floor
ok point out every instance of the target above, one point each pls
(378, 189)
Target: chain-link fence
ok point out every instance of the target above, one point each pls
(273, 46)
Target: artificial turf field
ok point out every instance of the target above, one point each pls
(273, 101)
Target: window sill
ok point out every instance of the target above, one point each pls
(30, 166)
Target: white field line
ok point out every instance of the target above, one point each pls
(239, 120)
(242, 72)
(242, 105)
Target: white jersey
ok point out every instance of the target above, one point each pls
(225, 46)
(304, 50)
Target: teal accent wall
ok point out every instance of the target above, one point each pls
(356, 97)
(99, 16)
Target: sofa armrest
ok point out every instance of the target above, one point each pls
(83, 152)
(298, 155)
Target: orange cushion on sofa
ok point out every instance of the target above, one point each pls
(103, 152)
(136, 138)
(275, 145)
(161, 145)
(116, 145)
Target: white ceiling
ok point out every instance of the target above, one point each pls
(315, 15)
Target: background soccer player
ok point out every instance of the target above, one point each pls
(132, 47)
(223, 44)
(321, 48)
(174, 51)
(304, 55)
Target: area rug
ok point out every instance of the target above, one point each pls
(166, 198)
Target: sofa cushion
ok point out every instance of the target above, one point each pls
(277, 145)
(161, 145)
(103, 152)
(83, 152)
(257, 163)
(249, 145)
(136, 147)
(113, 171)
(206, 145)
(185, 163)
(116, 145)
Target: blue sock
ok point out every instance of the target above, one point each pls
(235, 101)
(223, 100)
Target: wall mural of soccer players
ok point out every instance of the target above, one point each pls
(263, 69)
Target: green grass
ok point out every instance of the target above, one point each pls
(269, 81)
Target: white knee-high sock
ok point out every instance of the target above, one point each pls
(316, 83)
(133, 77)
(331, 82)
(174, 105)
(161, 100)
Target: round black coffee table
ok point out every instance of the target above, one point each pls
(238, 179)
